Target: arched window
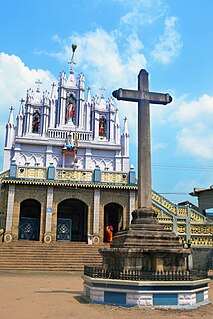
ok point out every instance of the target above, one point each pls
(36, 122)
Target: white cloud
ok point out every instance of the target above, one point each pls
(15, 79)
(142, 12)
(196, 141)
(159, 146)
(190, 123)
(169, 44)
(195, 110)
(99, 57)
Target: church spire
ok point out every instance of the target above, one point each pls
(88, 100)
(117, 122)
(19, 118)
(52, 91)
(125, 139)
(10, 120)
(21, 109)
(125, 130)
(117, 131)
(9, 139)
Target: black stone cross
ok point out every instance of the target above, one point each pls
(143, 97)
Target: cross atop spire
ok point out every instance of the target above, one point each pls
(11, 108)
(38, 82)
(22, 100)
(10, 120)
(102, 91)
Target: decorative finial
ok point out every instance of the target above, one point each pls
(53, 86)
(38, 88)
(21, 110)
(74, 47)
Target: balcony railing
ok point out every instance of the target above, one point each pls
(137, 275)
(63, 134)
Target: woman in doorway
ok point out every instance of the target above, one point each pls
(109, 233)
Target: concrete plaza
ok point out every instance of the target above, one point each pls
(33, 295)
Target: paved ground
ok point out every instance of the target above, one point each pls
(58, 296)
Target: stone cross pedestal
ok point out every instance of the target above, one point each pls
(143, 97)
(145, 245)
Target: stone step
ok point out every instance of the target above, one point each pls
(48, 261)
(44, 269)
(57, 256)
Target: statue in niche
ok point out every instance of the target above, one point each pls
(36, 122)
(70, 109)
(102, 127)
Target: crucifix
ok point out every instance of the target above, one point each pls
(143, 97)
(38, 82)
(102, 91)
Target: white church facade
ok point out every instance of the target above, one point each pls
(67, 130)
(67, 163)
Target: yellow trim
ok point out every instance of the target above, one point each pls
(68, 184)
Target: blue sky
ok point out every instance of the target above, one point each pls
(171, 39)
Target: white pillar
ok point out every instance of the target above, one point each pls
(10, 204)
(48, 224)
(49, 154)
(87, 157)
(96, 211)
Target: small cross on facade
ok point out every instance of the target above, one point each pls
(143, 96)
(38, 82)
(102, 91)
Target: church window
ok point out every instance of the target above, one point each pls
(36, 122)
(102, 126)
(70, 113)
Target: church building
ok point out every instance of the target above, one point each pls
(67, 175)
(67, 161)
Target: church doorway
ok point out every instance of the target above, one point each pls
(29, 221)
(113, 216)
(72, 221)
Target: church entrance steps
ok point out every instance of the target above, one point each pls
(37, 256)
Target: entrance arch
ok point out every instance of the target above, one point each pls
(72, 219)
(113, 215)
(29, 220)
